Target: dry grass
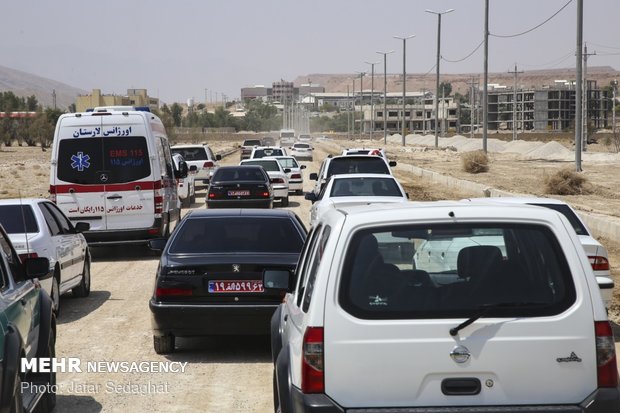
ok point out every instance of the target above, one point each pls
(566, 182)
(475, 162)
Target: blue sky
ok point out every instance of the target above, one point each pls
(178, 49)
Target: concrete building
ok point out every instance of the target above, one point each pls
(255, 92)
(134, 97)
(284, 92)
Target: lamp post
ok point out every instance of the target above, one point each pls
(438, 13)
(385, 94)
(361, 102)
(404, 39)
(372, 94)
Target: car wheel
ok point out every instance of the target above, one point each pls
(55, 293)
(83, 289)
(299, 192)
(163, 344)
(285, 201)
(17, 405)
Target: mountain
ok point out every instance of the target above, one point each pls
(535, 79)
(26, 84)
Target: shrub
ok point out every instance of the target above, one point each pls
(565, 182)
(475, 162)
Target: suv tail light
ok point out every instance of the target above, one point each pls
(53, 193)
(312, 375)
(599, 263)
(25, 256)
(607, 372)
(208, 164)
(158, 198)
(277, 181)
(296, 176)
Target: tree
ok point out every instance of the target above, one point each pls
(447, 88)
(176, 111)
(31, 103)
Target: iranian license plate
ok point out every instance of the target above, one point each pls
(239, 192)
(235, 286)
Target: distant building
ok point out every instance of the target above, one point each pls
(255, 92)
(134, 97)
(284, 92)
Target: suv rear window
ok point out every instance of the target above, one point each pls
(357, 165)
(192, 154)
(238, 234)
(108, 160)
(261, 153)
(18, 219)
(268, 165)
(252, 142)
(365, 187)
(569, 214)
(450, 271)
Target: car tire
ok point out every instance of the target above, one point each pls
(83, 289)
(17, 404)
(284, 202)
(299, 192)
(55, 292)
(164, 344)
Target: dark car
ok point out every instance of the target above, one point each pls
(241, 186)
(27, 330)
(209, 280)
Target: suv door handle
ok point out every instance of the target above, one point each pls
(285, 317)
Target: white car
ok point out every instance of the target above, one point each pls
(186, 185)
(514, 327)
(264, 151)
(355, 189)
(365, 151)
(597, 253)
(38, 228)
(201, 156)
(296, 174)
(277, 176)
(302, 151)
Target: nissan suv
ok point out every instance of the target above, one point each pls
(442, 307)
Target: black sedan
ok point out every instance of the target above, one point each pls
(209, 280)
(241, 186)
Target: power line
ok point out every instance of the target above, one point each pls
(605, 47)
(535, 27)
(430, 70)
(466, 57)
(555, 61)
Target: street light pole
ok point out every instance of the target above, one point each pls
(438, 13)
(404, 39)
(385, 94)
(372, 94)
(361, 102)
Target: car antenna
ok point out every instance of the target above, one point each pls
(21, 207)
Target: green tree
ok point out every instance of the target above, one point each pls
(176, 111)
(31, 103)
(447, 88)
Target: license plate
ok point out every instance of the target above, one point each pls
(240, 192)
(235, 286)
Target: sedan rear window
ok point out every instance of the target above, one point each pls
(248, 173)
(447, 271)
(235, 235)
(18, 219)
(301, 146)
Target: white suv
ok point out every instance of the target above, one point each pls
(512, 322)
(201, 156)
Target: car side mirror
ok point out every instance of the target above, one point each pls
(82, 227)
(276, 279)
(37, 268)
(193, 168)
(311, 196)
(287, 170)
(392, 163)
(157, 244)
(314, 176)
(182, 171)
(407, 193)
(302, 167)
(218, 157)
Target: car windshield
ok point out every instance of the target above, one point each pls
(108, 160)
(357, 165)
(232, 235)
(18, 219)
(445, 271)
(238, 174)
(569, 214)
(192, 154)
(288, 162)
(365, 187)
(268, 165)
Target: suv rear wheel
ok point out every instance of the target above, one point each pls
(163, 344)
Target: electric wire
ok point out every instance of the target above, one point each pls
(466, 57)
(535, 27)
(554, 62)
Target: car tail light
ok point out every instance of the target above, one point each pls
(158, 199)
(53, 193)
(264, 194)
(212, 195)
(27, 255)
(312, 375)
(599, 263)
(607, 372)
(277, 181)
(296, 176)
(168, 292)
(208, 164)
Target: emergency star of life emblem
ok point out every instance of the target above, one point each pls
(80, 161)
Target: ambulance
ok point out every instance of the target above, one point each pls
(112, 167)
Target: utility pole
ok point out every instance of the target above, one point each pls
(353, 114)
(585, 95)
(578, 87)
(613, 109)
(514, 103)
(348, 114)
(385, 94)
(54, 98)
(372, 93)
(361, 103)
(443, 111)
(485, 92)
(472, 104)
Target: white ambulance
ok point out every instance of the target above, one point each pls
(112, 167)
